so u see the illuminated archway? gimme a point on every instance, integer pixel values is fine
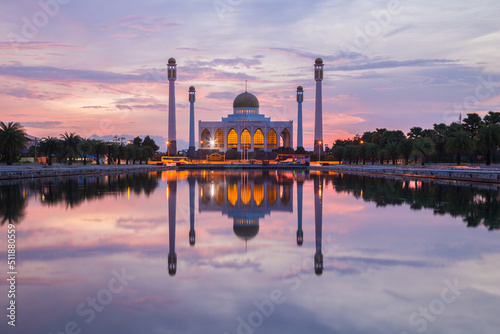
(258, 139)
(271, 139)
(232, 194)
(246, 194)
(232, 139)
(219, 138)
(205, 139)
(258, 193)
(245, 139)
(272, 194)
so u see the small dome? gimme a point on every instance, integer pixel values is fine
(319, 61)
(171, 61)
(246, 231)
(246, 100)
(191, 88)
(300, 88)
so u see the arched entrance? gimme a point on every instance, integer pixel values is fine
(232, 139)
(271, 139)
(205, 139)
(258, 139)
(285, 138)
(219, 138)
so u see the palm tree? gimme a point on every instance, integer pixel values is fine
(86, 148)
(489, 140)
(405, 147)
(12, 139)
(392, 151)
(459, 143)
(372, 151)
(71, 149)
(99, 148)
(424, 147)
(50, 146)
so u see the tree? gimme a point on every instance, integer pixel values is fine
(99, 148)
(137, 141)
(12, 139)
(415, 132)
(392, 152)
(151, 143)
(492, 118)
(405, 147)
(86, 148)
(489, 140)
(423, 147)
(70, 146)
(440, 138)
(471, 124)
(372, 151)
(50, 146)
(112, 150)
(459, 143)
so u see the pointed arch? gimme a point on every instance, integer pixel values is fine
(285, 137)
(245, 140)
(205, 139)
(232, 139)
(219, 138)
(271, 139)
(258, 139)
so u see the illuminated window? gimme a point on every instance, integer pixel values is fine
(232, 193)
(258, 139)
(232, 139)
(258, 193)
(219, 138)
(246, 194)
(271, 194)
(205, 139)
(245, 139)
(271, 139)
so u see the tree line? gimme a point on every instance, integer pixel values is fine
(70, 147)
(472, 140)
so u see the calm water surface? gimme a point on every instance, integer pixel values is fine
(251, 252)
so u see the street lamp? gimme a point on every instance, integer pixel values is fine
(168, 147)
(319, 151)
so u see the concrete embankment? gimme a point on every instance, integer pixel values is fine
(463, 174)
(35, 171)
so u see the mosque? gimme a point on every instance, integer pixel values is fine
(246, 129)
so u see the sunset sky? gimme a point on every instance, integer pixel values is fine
(98, 67)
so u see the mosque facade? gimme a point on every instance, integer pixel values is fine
(245, 129)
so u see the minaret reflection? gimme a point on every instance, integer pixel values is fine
(172, 199)
(192, 238)
(318, 219)
(300, 233)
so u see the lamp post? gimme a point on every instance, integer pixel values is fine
(168, 147)
(319, 153)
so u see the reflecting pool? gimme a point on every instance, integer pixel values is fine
(251, 252)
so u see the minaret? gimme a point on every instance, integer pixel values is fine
(300, 233)
(318, 220)
(318, 118)
(172, 135)
(191, 150)
(300, 99)
(192, 238)
(172, 199)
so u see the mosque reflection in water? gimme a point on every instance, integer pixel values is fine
(245, 197)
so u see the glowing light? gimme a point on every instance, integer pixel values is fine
(128, 193)
(167, 192)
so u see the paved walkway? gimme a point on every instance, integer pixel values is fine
(32, 171)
